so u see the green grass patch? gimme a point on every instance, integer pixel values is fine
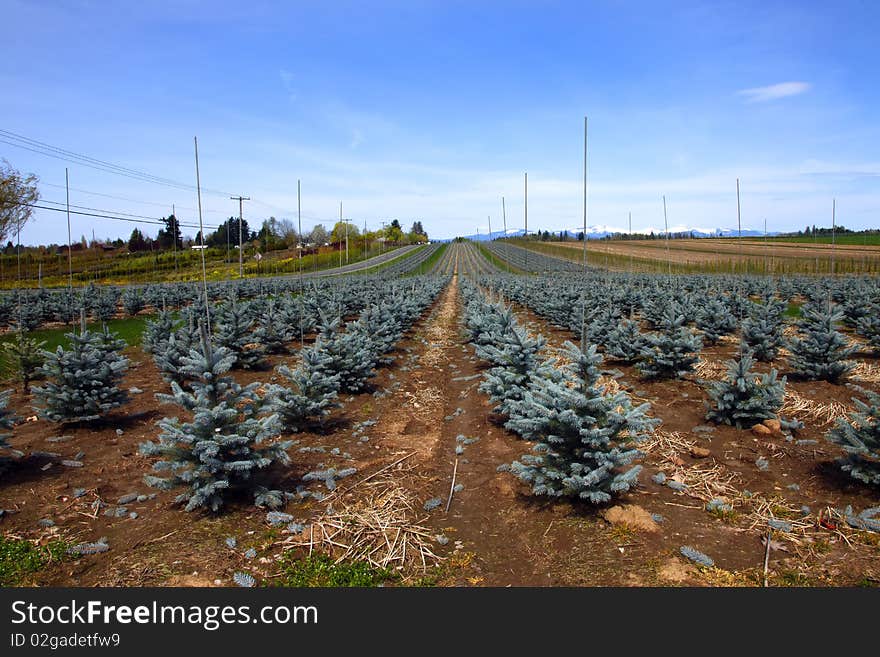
(434, 258)
(130, 329)
(319, 570)
(793, 310)
(20, 558)
(870, 239)
(393, 261)
(501, 264)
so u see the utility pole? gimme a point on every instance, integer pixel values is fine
(340, 241)
(382, 239)
(490, 227)
(240, 199)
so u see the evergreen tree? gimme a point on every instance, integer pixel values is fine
(715, 321)
(170, 357)
(233, 330)
(822, 351)
(586, 436)
(672, 352)
(310, 391)
(157, 331)
(381, 324)
(273, 332)
(762, 330)
(299, 319)
(104, 304)
(601, 325)
(7, 417)
(349, 355)
(82, 381)
(517, 358)
(869, 327)
(860, 438)
(745, 398)
(132, 301)
(25, 356)
(225, 444)
(624, 342)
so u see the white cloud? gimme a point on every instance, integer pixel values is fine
(774, 91)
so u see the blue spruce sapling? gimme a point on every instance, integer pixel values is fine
(225, 444)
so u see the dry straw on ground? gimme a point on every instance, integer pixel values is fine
(708, 369)
(825, 413)
(380, 527)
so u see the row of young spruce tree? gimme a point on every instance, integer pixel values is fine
(586, 438)
(614, 319)
(232, 432)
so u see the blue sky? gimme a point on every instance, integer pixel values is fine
(433, 111)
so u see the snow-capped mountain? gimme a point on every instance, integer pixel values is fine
(599, 231)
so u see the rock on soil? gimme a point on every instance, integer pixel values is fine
(762, 431)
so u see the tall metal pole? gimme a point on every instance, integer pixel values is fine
(666, 228)
(300, 229)
(526, 183)
(504, 219)
(585, 195)
(739, 231)
(69, 249)
(174, 229)
(490, 227)
(202, 240)
(630, 237)
(300, 245)
(340, 242)
(240, 200)
(833, 232)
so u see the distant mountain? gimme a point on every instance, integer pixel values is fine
(599, 231)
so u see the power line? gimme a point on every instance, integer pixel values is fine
(124, 198)
(158, 222)
(42, 148)
(113, 212)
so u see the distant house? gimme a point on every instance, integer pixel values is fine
(61, 250)
(199, 247)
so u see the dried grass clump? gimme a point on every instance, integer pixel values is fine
(795, 405)
(380, 527)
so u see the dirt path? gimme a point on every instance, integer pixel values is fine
(498, 536)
